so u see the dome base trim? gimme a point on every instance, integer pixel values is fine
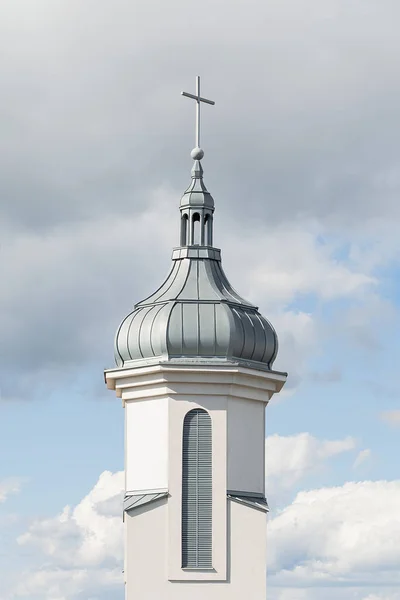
(196, 252)
(198, 361)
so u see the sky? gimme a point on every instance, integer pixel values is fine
(302, 159)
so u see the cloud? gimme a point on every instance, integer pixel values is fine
(82, 279)
(81, 548)
(391, 416)
(84, 544)
(333, 375)
(290, 459)
(88, 535)
(343, 535)
(77, 294)
(282, 264)
(332, 593)
(297, 334)
(76, 584)
(361, 457)
(306, 203)
(383, 596)
(303, 167)
(339, 535)
(10, 486)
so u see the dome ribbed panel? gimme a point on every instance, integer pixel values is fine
(223, 328)
(271, 349)
(260, 337)
(207, 328)
(190, 331)
(207, 287)
(249, 336)
(159, 329)
(190, 289)
(135, 333)
(237, 334)
(146, 331)
(121, 340)
(174, 331)
(210, 286)
(129, 330)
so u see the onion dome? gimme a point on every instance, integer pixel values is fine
(196, 315)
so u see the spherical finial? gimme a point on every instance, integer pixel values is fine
(197, 153)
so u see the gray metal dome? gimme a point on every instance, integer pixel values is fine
(196, 315)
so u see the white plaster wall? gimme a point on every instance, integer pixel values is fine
(146, 445)
(146, 557)
(156, 402)
(246, 445)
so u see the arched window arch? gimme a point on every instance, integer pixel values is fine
(197, 490)
(184, 230)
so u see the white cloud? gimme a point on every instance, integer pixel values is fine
(289, 459)
(391, 416)
(383, 596)
(332, 593)
(289, 266)
(297, 334)
(361, 457)
(88, 535)
(78, 552)
(82, 548)
(83, 544)
(290, 260)
(346, 534)
(10, 486)
(76, 584)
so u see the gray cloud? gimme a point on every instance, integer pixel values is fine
(95, 133)
(304, 122)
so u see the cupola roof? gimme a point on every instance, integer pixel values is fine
(196, 315)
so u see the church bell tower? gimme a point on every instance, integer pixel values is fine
(194, 372)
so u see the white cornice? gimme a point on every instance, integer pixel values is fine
(216, 380)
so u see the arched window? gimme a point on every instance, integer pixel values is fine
(184, 227)
(197, 491)
(208, 227)
(206, 233)
(196, 229)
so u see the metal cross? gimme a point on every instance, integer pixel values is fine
(198, 99)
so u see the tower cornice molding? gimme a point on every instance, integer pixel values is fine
(170, 380)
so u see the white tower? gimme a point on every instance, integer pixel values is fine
(194, 371)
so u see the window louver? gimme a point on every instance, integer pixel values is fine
(197, 491)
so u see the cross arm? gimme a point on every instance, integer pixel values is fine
(198, 98)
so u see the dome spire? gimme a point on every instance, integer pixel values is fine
(197, 204)
(197, 153)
